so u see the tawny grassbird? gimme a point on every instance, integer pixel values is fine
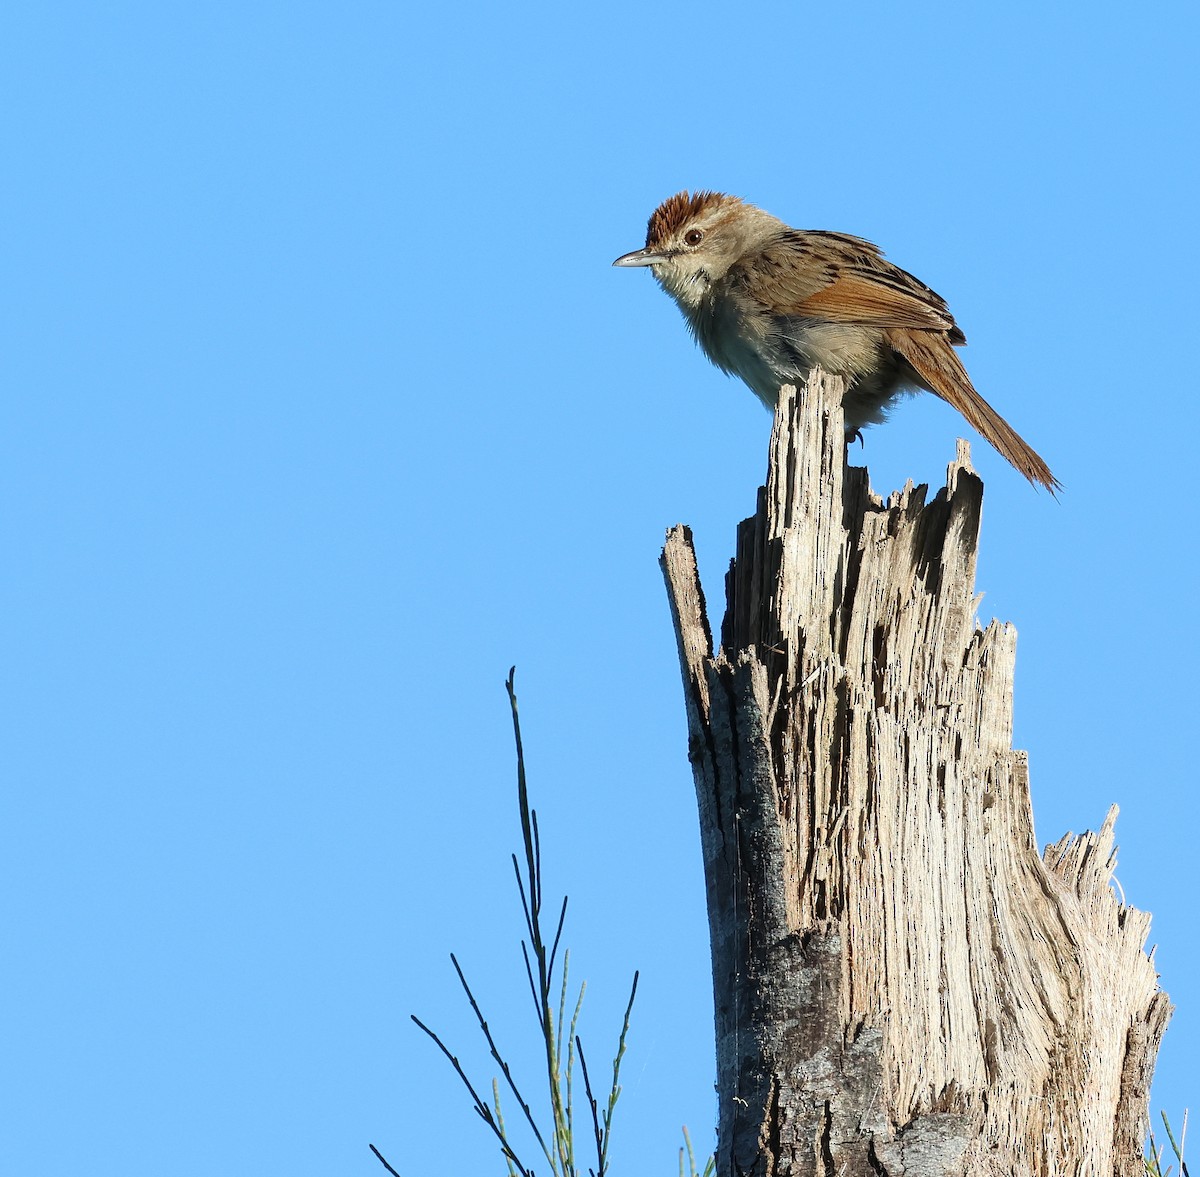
(768, 303)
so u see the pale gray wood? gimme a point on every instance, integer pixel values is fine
(903, 985)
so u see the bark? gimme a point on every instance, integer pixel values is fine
(903, 985)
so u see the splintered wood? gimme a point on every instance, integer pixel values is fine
(903, 985)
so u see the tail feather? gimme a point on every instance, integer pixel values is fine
(938, 368)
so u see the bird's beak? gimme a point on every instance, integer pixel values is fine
(640, 257)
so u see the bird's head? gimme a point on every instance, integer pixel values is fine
(693, 238)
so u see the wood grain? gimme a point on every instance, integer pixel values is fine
(903, 985)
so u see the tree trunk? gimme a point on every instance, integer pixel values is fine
(903, 985)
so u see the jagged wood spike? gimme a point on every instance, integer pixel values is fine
(903, 985)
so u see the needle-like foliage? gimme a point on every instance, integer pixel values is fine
(1154, 1162)
(558, 1137)
(687, 1153)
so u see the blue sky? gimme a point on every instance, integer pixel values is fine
(323, 406)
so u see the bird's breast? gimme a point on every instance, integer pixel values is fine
(768, 350)
(738, 341)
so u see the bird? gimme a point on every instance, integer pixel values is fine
(768, 303)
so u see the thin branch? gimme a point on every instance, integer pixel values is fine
(524, 900)
(692, 1171)
(383, 1162)
(500, 1120)
(562, 919)
(570, 1040)
(1178, 1147)
(615, 1094)
(485, 1113)
(537, 1005)
(587, 1087)
(496, 1055)
(562, 1001)
(532, 863)
(537, 857)
(551, 1022)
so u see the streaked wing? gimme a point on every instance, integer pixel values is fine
(842, 279)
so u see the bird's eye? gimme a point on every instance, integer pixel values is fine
(693, 237)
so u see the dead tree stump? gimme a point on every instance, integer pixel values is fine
(903, 985)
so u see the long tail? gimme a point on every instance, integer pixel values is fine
(940, 370)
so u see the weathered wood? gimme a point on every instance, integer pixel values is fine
(903, 985)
